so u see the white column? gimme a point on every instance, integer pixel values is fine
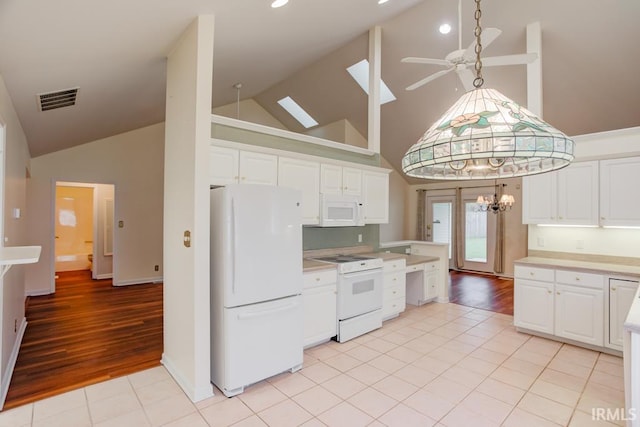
(373, 134)
(534, 69)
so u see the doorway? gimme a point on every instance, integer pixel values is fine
(84, 228)
(440, 222)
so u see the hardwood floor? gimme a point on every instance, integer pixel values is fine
(481, 291)
(85, 333)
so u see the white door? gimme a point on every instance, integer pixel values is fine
(258, 168)
(579, 314)
(265, 241)
(539, 198)
(304, 176)
(578, 194)
(375, 197)
(440, 222)
(479, 233)
(223, 165)
(533, 305)
(618, 179)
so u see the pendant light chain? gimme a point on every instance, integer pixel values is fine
(478, 81)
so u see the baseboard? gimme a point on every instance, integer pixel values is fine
(194, 394)
(38, 293)
(156, 279)
(11, 364)
(104, 276)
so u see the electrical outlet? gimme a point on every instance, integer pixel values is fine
(359, 238)
(156, 267)
(407, 250)
(541, 242)
(579, 244)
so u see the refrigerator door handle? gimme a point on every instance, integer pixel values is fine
(287, 307)
(233, 247)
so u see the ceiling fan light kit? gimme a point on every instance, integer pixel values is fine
(485, 135)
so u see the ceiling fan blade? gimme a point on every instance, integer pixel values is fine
(429, 78)
(522, 58)
(486, 38)
(466, 77)
(414, 60)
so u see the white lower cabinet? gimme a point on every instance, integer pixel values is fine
(422, 283)
(393, 294)
(565, 303)
(319, 304)
(579, 314)
(621, 294)
(533, 305)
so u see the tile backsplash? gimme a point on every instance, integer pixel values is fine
(339, 237)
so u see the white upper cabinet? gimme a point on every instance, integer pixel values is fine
(539, 198)
(567, 196)
(336, 179)
(375, 197)
(578, 194)
(619, 180)
(229, 165)
(305, 176)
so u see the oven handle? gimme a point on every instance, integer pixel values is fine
(356, 274)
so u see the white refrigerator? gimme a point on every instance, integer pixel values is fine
(256, 284)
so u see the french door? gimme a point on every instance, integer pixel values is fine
(479, 232)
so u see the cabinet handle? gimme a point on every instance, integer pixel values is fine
(531, 273)
(317, 279)
(394, 292)
(394, 279)
(243, 178)
(613, 289)
(577, 279)
(602, 217)
(558, 293)
(548, 291)
(559, 217)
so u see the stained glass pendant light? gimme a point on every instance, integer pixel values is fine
(485, 135)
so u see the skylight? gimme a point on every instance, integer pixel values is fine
(297, 112)
(360, 73)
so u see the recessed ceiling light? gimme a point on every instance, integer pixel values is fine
(360, 73)
(297, 112)
(382, 1)
(445, 29)
(279, 3)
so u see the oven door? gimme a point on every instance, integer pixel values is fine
(359, 293)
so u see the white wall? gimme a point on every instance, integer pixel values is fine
(15, 234)
(186, 208)
(133, 162)
(394, 230)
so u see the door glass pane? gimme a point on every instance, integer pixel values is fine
(442, 223)
(475, 233)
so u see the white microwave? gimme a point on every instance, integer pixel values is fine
(340, 211)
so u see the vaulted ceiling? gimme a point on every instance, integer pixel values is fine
(115, 53)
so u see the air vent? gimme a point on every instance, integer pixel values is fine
(57, 99)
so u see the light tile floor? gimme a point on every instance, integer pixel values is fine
(435, 365)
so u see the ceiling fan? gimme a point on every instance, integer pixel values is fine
(460, 60)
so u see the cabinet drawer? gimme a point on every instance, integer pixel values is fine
(394, 265)
(430, 266)
(395, 279)
(319, 278)
(393, 307)
(534, 273)
(415, 267)
(578, 278)
(393, 292)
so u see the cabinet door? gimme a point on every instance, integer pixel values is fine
(579, 314)
(578, 194)
(223, 165)
(375, 197)
(621, 295)
(304, 176)
(351, 181)
(431, 284)
(258, 168)
(330, 179)
(533, 305)
(619, 179)
(320, 318)
(539, 195)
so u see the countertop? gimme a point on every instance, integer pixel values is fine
(313, 265)
(597, 267)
